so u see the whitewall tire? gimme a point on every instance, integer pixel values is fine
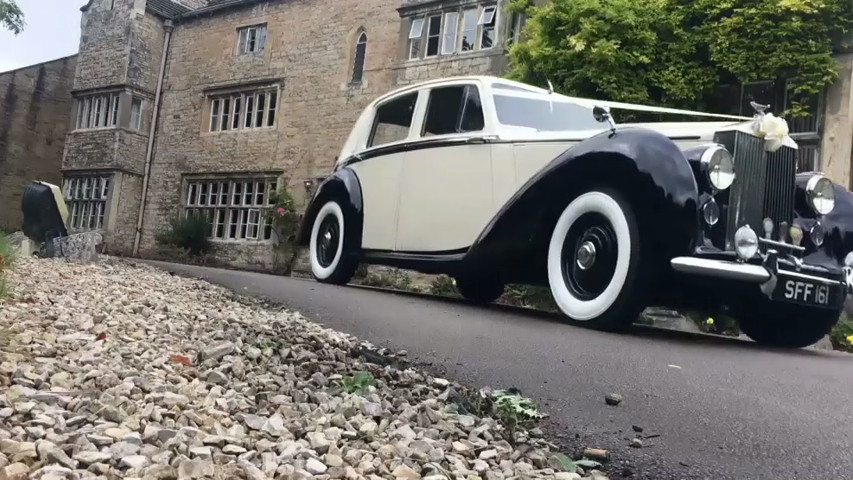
(594, 260)
(330, 262)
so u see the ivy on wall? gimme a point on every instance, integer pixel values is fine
(675, 52)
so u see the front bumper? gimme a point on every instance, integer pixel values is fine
(768, 271)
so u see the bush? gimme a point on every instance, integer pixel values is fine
(390, 278)
(189, 234)
(7, 258)
(285, 222)
(443, 286)
(841, 335)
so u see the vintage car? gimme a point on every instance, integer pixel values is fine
(496, 182)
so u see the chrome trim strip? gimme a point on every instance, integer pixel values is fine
(811, 278)
(720, 269)
(779, 244)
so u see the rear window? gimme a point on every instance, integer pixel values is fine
(543, 115)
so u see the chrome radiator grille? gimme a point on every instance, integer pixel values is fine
(764, 185)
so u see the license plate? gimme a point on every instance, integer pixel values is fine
(807, 292)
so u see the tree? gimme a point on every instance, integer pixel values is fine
(11, 17)
(674, 52)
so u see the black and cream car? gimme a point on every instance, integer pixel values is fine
(496, 182)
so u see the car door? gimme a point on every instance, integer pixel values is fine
(446, 197)
(379, 169)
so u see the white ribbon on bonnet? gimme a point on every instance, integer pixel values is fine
(774, 131)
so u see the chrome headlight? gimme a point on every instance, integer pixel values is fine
(720, 167)
(820, 194)
(746, 242)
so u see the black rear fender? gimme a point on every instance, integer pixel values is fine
(342, 186)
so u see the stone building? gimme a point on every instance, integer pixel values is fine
(209, 105)
(35, 103)
(254, 94)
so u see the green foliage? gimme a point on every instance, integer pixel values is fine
(443, 286)
(508, 406)
(674, 52)
(358, 383)
(841, 335)
(531, 296)
(11, 16)
(8, 255)
(189, 233)
(285, 223)
(389, 278)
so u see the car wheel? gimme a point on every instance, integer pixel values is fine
(479, 290)
(788, 326)
(331, 259)
(594, 261)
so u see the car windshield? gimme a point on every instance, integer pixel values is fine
(543, 115)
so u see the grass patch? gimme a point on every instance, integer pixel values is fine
(8, 255)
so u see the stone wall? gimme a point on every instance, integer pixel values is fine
(308, 56)
(837, 144)
(35, 110)
(104, 40)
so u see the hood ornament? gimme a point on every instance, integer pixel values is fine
(759, 108)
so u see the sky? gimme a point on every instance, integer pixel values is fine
(52, 31)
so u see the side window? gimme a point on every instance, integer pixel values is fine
(455, 109)
(393, 120)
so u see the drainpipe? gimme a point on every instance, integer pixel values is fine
(149, 152)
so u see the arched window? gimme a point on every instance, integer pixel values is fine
(358, 63)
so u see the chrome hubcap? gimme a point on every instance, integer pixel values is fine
(586, 255)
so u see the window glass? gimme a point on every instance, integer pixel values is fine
(393, 120)
(544, 115)
(487, 21)
(453, 109)
(451, 27)
(415, 36)
(469, 29)
(358, 63)
(433, 36)
(136, 114)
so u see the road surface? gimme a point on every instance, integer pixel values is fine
(723, 409)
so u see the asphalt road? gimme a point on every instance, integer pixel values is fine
(723, 409)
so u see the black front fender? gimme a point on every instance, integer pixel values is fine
(644, 165)
(838, 225)
(344, 187)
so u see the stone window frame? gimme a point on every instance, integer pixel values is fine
(260, 42)
(104, 115)
(238, 105)
(218, 198)
(418, 32)
(87, 196)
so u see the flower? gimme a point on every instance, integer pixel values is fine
(850, 339)
(710, 321)
(280, 210)
(774, 131)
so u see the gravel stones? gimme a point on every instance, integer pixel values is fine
(120, 370)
